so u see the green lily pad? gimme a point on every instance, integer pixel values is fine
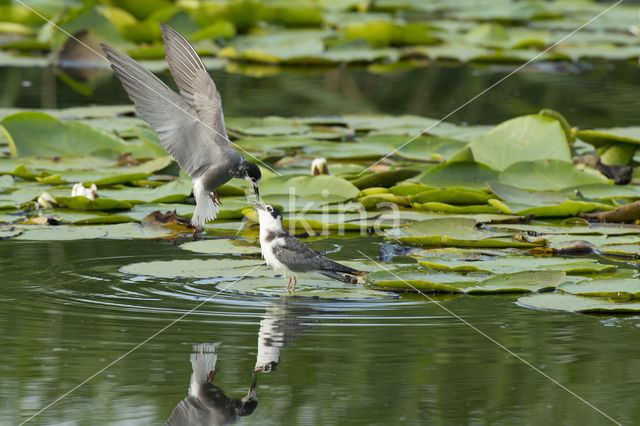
(512, 194)
(71, 232)
(602, 137)
(614, 288)
(410, 279)
(171, 192)
(306, 288)
(572, 303)
(527, 138)
(39, 134)
(268, 126)
(383, 179)
(309, 186)
(220, 246)
(197, 268)
(81, 202)
(429, 148)
(520, 282)
(452, 195)
(568, 208)
(459, 174)
(546, 175)
(513, 264)
(448, 208)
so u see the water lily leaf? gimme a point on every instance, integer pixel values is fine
(603, 137)
(520, 282)
(78, 217)
(459, 174)
(452, 195)
(512, 264)
(512, 194)
(268, 126)
(546, 175)
(221, 246)
(568, 208)
(429, 148)
(306, 288)
(39, 134)
(408, 189)
(448, 208)
(310, 186)
(80, 202)
(572, 303)
(374, 201)
(197, 268)
(615, 288)
(385, 33)
(172, 192)
(527, 138)
(410, 279)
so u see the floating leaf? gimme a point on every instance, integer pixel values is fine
(615, 288)
(527, 138)
(460, 174)
(197, 268)
(546, 175)
(452, 195)
(571, 303)
(80, 202)
(221, 246)
(38, 134)
(520, 282)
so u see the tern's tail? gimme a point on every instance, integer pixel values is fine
(206, 209)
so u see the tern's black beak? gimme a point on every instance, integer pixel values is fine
(256, 191)
(256, 205)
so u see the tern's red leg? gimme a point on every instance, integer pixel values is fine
(295, 281)
(289, 283)
(215, 198)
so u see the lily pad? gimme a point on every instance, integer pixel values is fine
(527, 138)
(459, 174)
(306, 288)
(221, 246)
(614, 288)
(520, 282)
(197, 268)
(546, 175)
(572, 303)
(39, 134)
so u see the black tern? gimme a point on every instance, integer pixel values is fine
(291, 257)
(190, 125)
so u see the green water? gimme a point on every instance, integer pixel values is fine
(67, 312)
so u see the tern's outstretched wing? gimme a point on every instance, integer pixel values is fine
(178, 126)
(194, 82)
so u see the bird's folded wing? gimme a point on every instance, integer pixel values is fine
(194, 82)
(298, 257)
(179, 128)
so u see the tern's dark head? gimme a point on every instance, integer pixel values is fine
(252, 175)
(270, 217)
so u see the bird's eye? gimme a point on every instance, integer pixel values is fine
(270, 209)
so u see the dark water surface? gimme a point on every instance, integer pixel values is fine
(66, 311)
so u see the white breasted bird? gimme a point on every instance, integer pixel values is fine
(291, 257)
(190, 125)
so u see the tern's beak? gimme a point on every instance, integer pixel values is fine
(257, 205)
(256, 191)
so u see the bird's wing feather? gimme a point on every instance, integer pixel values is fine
(298, 257)
(179, 129)
(194, 82)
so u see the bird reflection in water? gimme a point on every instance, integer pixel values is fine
(207, 404)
